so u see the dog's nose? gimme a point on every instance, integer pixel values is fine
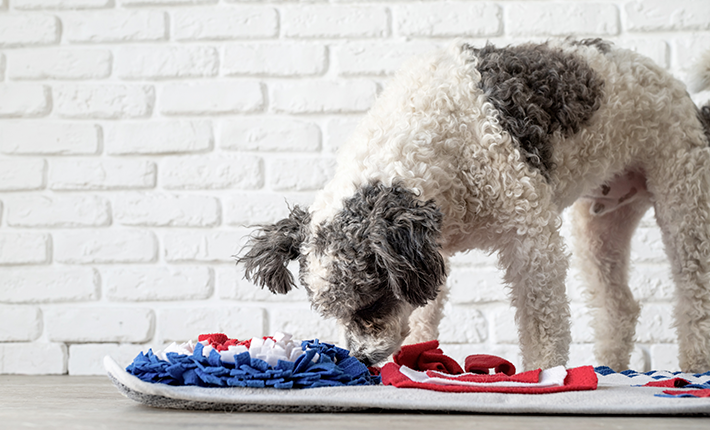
(366, 361)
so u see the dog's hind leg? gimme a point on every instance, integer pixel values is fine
(602, 244)
(680, 184)
(535, 268)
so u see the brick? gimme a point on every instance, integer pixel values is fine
(99, 324)
(246, 209)
(659, 15)
(476, 285)
(583, 355)
(652, 282)
(274, 59)
(163, 210)
(338, 131)
(378, 59)
(21, 174)
(164, 2)
(647, 246)
(449, 19)
(59, 64)
(36, 358)
(687, 51)
(655, 49)
(503, 328)
(61, 4)
(57, 211)
(110, 174)
(581, 324)
(115, 26)
(303, 324)
(655, 323)
(20, 323)
(335, 21)
(463, 324)
(213, 172)
(269, 134)
(323, 96)
(129, 284)
(231, 285)
(640, 359)
(541, 18)
(185, 323)
(105, 246)
(24, 248)
(205, 247)
(49, 285)
(665, 357)
(148, 62)
(24, 100)
(158, 137)
(48, 138)
(211, 98)
(108, 101)
(87, 359)
(224, 23)
(23, 30)
(300, 174)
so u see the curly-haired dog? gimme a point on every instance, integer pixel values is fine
(483, 148)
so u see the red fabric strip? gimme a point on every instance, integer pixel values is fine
(482, 363)
(703, 392)
(529, 377)
(578, 379)
(427, 356)
(669, 383)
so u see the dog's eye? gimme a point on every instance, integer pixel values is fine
(370, 311)
(378, 308)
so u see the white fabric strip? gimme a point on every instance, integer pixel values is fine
(554, 377)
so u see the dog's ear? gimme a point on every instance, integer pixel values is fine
(405, 241)
(270, 250)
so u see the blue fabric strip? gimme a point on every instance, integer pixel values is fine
(333, 367)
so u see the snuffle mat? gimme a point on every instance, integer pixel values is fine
(282, 374)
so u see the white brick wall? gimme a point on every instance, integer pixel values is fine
(139, 137)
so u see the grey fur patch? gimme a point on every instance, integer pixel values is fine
(538, 90)
(271, 249)
(704, 117)
(601, 45)
(385, 247)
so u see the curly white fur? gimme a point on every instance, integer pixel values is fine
(435, 132)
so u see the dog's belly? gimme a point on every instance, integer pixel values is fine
(621, 190)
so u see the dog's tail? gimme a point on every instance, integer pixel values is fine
(699, 77)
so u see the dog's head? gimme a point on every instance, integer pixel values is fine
(369, 266)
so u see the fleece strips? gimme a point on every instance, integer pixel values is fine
(276, 362)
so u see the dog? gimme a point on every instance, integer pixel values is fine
(482, 148)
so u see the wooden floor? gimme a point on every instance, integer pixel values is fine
(91, 402)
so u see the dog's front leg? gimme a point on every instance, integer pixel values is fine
(424, 321)
(536, 267)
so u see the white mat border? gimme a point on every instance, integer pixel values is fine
(606, 400)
